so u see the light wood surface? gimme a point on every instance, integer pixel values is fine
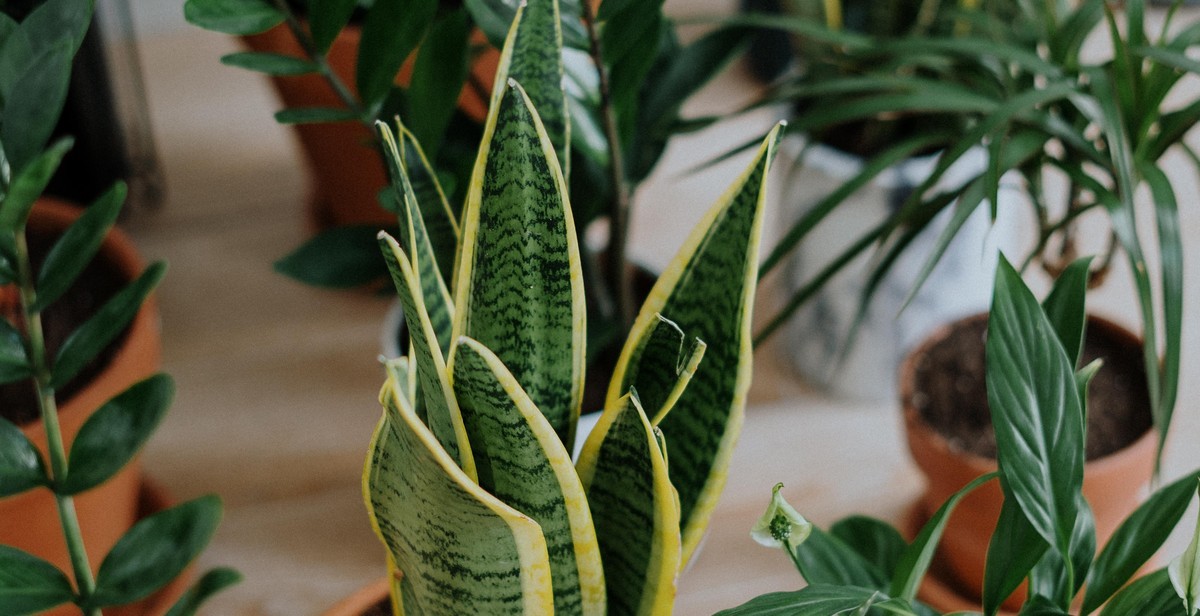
(277, 382)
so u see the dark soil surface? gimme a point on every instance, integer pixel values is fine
(96, 285)
(950, 392)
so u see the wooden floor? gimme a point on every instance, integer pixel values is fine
(277, 382)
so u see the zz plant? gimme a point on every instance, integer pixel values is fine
(36, 58)
(469, 479)
(1045, 533)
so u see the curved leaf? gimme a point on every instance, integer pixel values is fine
(822, 600)
(270, 63)
(875, 540)
(73, 251)
(29, 584)
(1015, 548)
(824, 558)
(1184, 573)
(1064, 307)
(315, 115)
(28, 184)
(237, 17)
(440, 220)
(14, 361)
(339, 258)
(326, 19)
(33, 105)
(439, 72)
(21, 466)
(666, 368)
(1151, 595)
(391, 29)
(209, 584)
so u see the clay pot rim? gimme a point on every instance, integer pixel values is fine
(361, 599)
(933, 439)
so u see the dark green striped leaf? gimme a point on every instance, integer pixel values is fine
(29, 584)
(73, 251)
(822, 600)
(238, 17)
(270, 63)
(14, 361)
(440, 220)
(634, 508)
(521, 461)
(28, 185)
(21, 466)
(462, 549)
(666, 367)
(708, 291)
(211, 583)
(520, 286)
(442, 414)
(390, 31)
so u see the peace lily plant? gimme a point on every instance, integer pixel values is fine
(469, 479)
(1045, 534)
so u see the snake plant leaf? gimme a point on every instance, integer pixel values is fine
(417, 242)
(441, 222)
(1036, 410)
(521, 461)
(14, 360)
(823, 600)
(405, 376)
(1184, 572)
(533, 57)
(211, 583)
(666, 368)
(461, 549)
(78, 244)
(21, 466)
(29, 585)
(634, 508)
(442, 414)
(1064, 306)
(708, 291)
(1151, 595)
(520, 281)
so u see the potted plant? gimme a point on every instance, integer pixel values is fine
(469, 479)
(78, 352)
(1045, 537)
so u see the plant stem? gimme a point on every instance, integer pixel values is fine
(49, 412)
(618, 275)
(310, 49)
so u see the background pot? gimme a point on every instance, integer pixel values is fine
(29, 521)
(1114, 485)
(815, 337)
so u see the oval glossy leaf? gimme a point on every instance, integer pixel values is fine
(708, 291)
(337, 258)
(875, 540)
(521, 461)
(825, 559)
(90, 338)
(520, 282)
(29, 584)
(34, 104)
(14, 362)
(1184, 572)
(390, 31)
(270, 63)
(21, 466)
(822, 600)
(1064, 306)
(315, 115)
(113, 435)
(1151, 595)
(29, 184)
(1013, 551)
(155, 551)
(211, 583)
(462, 550)
(73, 251)
(1036, 411)
(635, 510)
(238, 17)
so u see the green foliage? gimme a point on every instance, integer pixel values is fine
(29, 584)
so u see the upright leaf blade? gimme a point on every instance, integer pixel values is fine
(390, 31)
(75, 249)
(1184, 572)
(440, 220)
(1064, 306)
(326, 19)
(669, 360)
(1014, 549)
(439, 72)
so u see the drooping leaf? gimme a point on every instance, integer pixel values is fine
(1151, 595)
(28, 184)
(708, 291)
(1014, 549)
(21, 466)
(875, 540)
(460, 549)
(270, 63)
(520, 283)
(634, 508)
(209, 584)
(315, 115)
(14, 361)
(1184, 573)
(103, 327)
(34, 103)
(390, 31)
(668, 362)
(1064, 306)
(822, 600)
(29, 584)
(114, 434)
(339, 258)
(155, 551)
(521, 461)
(442, 413)
(439, 72)
(237, 17)
(73, 251)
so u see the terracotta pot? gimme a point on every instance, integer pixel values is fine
(346, 169)
(1114, 485)
(362, 600)
(29, 521)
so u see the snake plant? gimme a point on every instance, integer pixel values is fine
(469, 479)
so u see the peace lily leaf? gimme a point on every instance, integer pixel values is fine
(460, 549)
(1014, 549)
(211, 583)
(29, 584)
(1064, 307)
(822, 600)
(875, 540)
(1054, 578)
(1152, 595)
(29, 184)
(78, 244)
(440, 220)
(522, 462)
(270, 63)
(826, 559)
(21, 466)
(237, 17)
(418, 243)
(634, 508)
(155, 551)
(442, 414)
(103, 327)
(338, 258)
(113, 434)
(14, 362)
(708, 291)
(1184, 572)
(1137, 539)
(520, 282)
(390, 31)
(666, 368)
(1036, 410)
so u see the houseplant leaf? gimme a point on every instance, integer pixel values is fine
(1014, 549)
(822, 600)
(1184, 573)
(1150, 595)
(211, 583)
(114, 434)
(1064, 307)
(21, 466)
(34, 103)
(101, 328)
(461, 549)
(441, 68)
(29, 584)
(669, 360)
(29, 183)
(341, 257)
(155, 551)
(73, 251)
(326, 18)
(635, 510)
(824, 558)
(237, 17)
(14, 361)
(521, 461)
(441, 221)
(520, 283)
(391, 29)
(315, 115)
(270, 63)
(874, 540)
(708, 291)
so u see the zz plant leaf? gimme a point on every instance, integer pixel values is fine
(21, 466)
(29, 584)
